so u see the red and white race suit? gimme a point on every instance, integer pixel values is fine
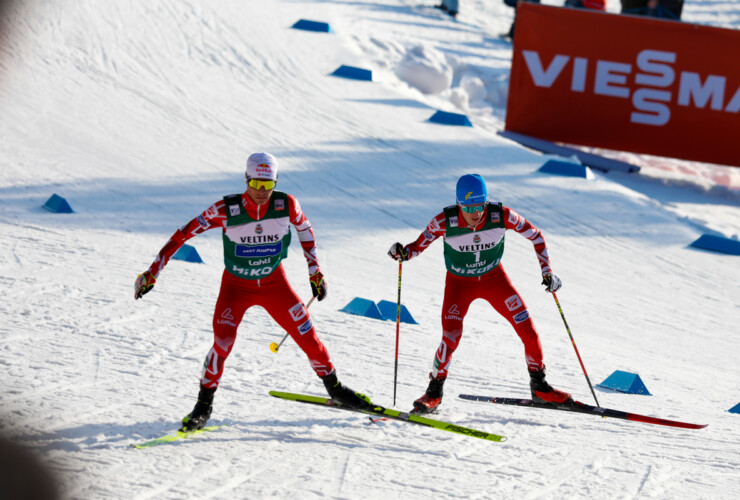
(495, 287)
(273, 292)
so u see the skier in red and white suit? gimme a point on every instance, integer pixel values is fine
(473, 231)
(256, 237)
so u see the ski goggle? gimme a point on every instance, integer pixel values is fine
(471, 209)
(259, 183)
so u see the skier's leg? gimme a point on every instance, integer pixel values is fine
(457, 299)
(502, 295)
(287, 309)
(504, 298)
(232, 302)
(455, 306)
(284, 306)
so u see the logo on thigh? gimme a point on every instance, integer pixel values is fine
(227, 318)
(513, 303)
(305, 327)
(297, 312)
(522, 316)
(453, 313)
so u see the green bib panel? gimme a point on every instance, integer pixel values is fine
(253, 249)
(474, 253)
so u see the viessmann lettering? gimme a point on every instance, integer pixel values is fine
(654, 72)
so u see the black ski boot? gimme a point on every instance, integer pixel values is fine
(344, 395)
(542, 392)
(197, 418)
(432, 398)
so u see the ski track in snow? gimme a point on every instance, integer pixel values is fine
(142, 115)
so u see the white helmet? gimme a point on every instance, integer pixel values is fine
(262, 166)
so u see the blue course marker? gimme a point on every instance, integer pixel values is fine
(188, 253)
(389, 310)
(353, 73)
(446, 118)
(58, 205)
(626, 382)
(717, 244)
(567, 169)
(362, 307)
(318, 26)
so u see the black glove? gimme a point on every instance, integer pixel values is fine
(552, 283)
(318, 285)
(398, 252)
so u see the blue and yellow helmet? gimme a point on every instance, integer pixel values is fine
(471, 190)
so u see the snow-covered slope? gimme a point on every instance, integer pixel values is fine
(142, 114)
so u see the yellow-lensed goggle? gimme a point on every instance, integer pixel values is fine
(259, 183)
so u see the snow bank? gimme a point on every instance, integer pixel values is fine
(426, 69)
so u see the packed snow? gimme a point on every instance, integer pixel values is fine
(142, 114)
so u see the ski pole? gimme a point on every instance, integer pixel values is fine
(574, 347)
(276, 347)
(398, 329)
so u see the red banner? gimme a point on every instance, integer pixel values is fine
(626, 83)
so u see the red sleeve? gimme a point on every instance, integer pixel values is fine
(528, 230)
(213, 217)
(434, 230)
(305, 233)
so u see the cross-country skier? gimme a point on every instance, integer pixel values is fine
(256, 237)
(473, 232)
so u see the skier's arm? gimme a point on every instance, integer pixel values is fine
(308, 243)
(434, 230)
(305, 234)
(214, 216)
(522, 226)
